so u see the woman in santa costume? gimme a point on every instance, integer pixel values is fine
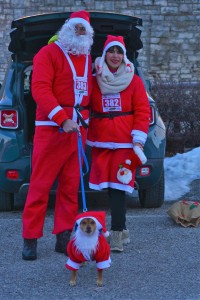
(117, 132)
(61, 87)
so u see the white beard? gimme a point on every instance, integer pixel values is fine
(86, 244)
(75, 44)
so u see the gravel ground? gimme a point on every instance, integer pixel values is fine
(161, 262)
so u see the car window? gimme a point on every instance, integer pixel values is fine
(27, 80)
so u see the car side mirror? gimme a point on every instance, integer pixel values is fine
(148, 85)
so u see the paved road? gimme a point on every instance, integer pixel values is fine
(162, 262)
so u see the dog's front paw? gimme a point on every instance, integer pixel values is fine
(72, 283)
(99, 283)
(100, 278)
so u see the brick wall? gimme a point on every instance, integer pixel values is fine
(170, 34)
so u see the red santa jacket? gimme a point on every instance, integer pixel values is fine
(101, 255)
(118, 132)
(53, 85)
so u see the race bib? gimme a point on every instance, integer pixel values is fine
(111, 102)
(81, 86)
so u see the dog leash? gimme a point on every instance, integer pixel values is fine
(81, 154)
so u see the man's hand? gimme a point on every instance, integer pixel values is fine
(70, 126)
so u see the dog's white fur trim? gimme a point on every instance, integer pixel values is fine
(104, 264)
(140, 154)
(73, 264)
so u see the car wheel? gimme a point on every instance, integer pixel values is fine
(154, 196)
(6, 201)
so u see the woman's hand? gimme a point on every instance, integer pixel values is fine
(139, 145)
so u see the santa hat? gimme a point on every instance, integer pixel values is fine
(110, 42)
(82, 17)
(98, 216)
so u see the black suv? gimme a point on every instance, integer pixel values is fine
(17, 107)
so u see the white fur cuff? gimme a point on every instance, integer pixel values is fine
(104, 264)
(73, 264)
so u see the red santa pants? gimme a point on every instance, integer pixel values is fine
(55, 155)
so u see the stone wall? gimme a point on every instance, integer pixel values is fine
(170, 33)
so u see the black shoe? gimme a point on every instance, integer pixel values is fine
(62, 240)
(30, 249)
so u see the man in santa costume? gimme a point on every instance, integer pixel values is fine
(117, 132)
(61, 87)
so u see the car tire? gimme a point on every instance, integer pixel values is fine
(153, 197)
(6, 201)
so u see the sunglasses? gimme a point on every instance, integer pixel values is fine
(79, 28)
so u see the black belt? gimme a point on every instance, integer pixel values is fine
(79, 108)
(111, 115)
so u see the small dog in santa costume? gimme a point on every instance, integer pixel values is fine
(88, 244)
